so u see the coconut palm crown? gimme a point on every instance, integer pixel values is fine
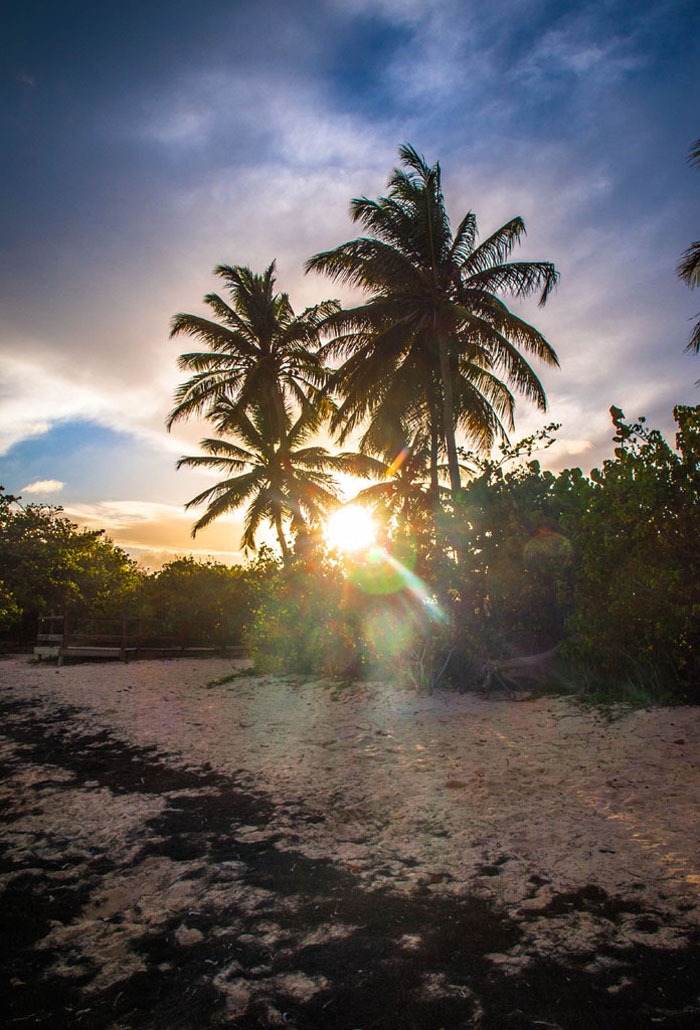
(258, 349)
(434, 340)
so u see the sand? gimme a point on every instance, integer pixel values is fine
(577, 833)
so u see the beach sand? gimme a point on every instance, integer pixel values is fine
(273, 851)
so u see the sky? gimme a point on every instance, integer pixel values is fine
(144, 143)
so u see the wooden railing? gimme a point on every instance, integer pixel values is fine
(65, 636)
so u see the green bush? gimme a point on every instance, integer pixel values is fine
(636, 529)
(305, 623)
(48, 563)
(202, 603)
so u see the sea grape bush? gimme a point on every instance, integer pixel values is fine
(606, 565)
(202, 603)
(635, 527)
(47, 562)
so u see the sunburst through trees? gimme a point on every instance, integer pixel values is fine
(434, 351)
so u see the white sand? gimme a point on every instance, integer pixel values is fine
(455, 782)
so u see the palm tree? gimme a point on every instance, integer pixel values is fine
(403, 492)
(258, 349)
(281, 481)
(434, 340)
(689, 268)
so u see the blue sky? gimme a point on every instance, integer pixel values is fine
(144, 143)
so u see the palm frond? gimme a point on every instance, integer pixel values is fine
(694, 341)
(364, 262)
(219, 337)
(694, 153)
(464, 239)
(496, 249)
(222, 498)
(689, 267)
(209, 361)
(198, 395)
(489, 385)
(478, 418)
(376, 493)
(261, 510)
(518, 278)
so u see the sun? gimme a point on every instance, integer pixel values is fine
(351, 528)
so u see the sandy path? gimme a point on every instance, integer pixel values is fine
(583, 833)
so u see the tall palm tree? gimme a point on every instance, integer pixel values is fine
(281, 481)
(257, 349)
(434, 339)
(689, 268)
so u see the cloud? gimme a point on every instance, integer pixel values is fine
(152, 559)
(141, 527)
(37, 394)
(44, 486)
(399, 11)
(576, 49)
(530, 112)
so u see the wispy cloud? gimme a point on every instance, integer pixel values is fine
(553, 113)
(44, 486)
(139, 526)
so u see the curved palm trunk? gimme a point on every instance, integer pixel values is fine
(284, 547)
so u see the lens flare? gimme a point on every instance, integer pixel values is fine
(351, 529)
(381, 572)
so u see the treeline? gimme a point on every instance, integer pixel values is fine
(48, 564)
(606, 567)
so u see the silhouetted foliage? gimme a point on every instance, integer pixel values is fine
(201, 603)
(607, 566)
(48, 563)
(259, 349)
(635, 528)
(689, 267)
(434, 346)
(512, 583)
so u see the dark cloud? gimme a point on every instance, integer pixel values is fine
(144, 142)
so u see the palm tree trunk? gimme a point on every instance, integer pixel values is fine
(449, 415)
(281, 416)
(434, 455)
(284, 547)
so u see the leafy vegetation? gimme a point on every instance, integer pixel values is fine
(204, 603)
(635, 527)
(509, 560)
(47, 563)
(606, 566)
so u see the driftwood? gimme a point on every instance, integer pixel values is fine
(509, 672)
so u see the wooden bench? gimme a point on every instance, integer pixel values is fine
(59, 637)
